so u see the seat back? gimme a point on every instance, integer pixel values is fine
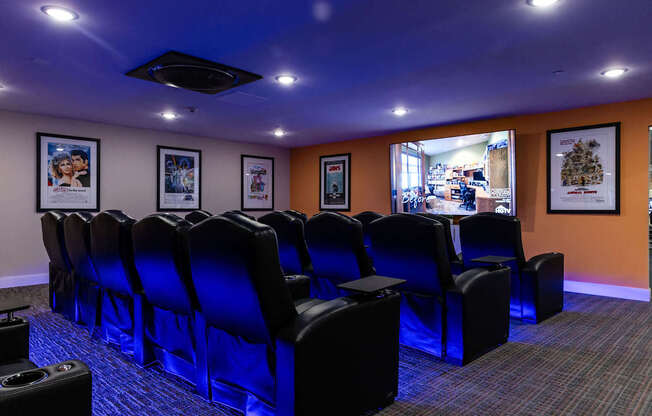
(77, 231)
(297, 214)
(238, 278)
(336, 247)
(413, 248)
(197, 216)
(292, 248)
(161, 258)
(54, 239)
(491, 234)
(112, 252)
(448, 236)
(238, 212)
(365, 218)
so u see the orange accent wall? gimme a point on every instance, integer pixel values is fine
(598, 248)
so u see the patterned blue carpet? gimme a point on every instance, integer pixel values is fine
(594, 358)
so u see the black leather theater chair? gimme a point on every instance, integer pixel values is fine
(457, 265)
(337, 251)
(263, 354)
(293, 253)
(537, 284)
(63, 388)
(61, 281)
(122, 299)
(161, 260)
(77, 231)
(297, 214)
(197, 216)
(457, 318)
(238, 212)
(365, 219)
(292, 247)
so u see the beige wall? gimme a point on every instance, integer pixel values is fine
(128, 177)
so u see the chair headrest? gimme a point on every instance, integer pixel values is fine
(198, 216)
(411, 247)
(238, 278)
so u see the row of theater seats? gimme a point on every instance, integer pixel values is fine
(211, 304)
(195, 288)
(536, 291)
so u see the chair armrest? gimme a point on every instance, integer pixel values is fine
(345, 349)
(477, 313)
(14, 340)
(542, 286)
(67, 392)
(541, 261)
(299, 286)
(477, 278)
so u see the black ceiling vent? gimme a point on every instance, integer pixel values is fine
(179, 70)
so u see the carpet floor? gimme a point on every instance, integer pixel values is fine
(595, 358)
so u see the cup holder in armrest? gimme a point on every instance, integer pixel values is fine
(26, 378)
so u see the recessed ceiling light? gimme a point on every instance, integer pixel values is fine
(614, 72)
(169, 115)
(279, 133)
(541, 3)
(286, 79)
(559, 154)
(59, 13)
(60, 149)
(400, 111)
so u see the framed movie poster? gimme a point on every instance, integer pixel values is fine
(584, 170)
(335, 182)
(67, 173)
(178, 179)
(256, 183)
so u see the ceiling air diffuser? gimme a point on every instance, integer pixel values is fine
(179, 70)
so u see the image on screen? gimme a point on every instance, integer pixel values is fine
(460, 175)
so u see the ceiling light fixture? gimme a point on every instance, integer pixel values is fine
(59, 13)
(286, 79)
(541, 3)
(169, 115)
(614, 72)
(279, 133)
(400, 111)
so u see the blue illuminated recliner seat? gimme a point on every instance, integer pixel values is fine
(292, 250)
(336, 247)
(197, 216)
(457, 265)
(457, 318)
(264, 354)
(61, 280)
(161, 259)
(77, 231)
(537, 284)
(365, 219)
(122, 301)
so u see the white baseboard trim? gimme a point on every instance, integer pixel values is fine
(23, 280)
(612, 291)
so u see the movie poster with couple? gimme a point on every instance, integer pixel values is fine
(179, 179)
(257, 183)
(584, 169)
(68, 173)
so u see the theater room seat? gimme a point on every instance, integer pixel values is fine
(264, 355)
